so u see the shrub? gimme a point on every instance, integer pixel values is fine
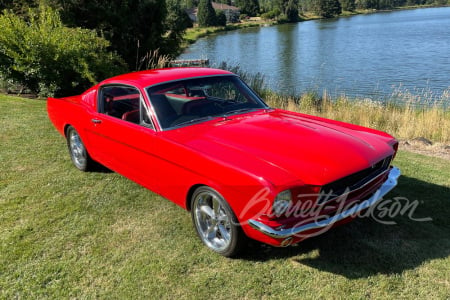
(243, 17)
(50, 59)
(271, 14)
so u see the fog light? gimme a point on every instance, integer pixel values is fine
(282, 202)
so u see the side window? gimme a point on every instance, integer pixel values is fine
(122, 102)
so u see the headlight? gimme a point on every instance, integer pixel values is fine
(282, 202)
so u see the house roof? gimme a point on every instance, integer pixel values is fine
(222, 6)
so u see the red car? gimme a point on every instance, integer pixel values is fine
(203, 139)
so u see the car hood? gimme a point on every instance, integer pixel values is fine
(284, 147)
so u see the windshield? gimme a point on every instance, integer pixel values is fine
(189, 101)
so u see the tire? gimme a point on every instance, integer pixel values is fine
(78, 153)
(215, 222)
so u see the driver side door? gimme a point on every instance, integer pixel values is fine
(123, 134)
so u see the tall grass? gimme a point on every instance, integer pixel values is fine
(153, 60)
(401, 119)
(405, 114)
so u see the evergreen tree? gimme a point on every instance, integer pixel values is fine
(292, 11)
(221, 18)
(249, 7)
(189, 3)
(329, 8)
(308, 6)
(206, 15)
(282, 4)
(177, 19)
(176, 22)
(348, 5)
(289, 8)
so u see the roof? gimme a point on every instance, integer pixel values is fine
(222, 6)
(147, 78)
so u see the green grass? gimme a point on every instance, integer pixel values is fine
(69, 234)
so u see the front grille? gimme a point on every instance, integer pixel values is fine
(354, 181)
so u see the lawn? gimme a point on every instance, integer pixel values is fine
(69, 234)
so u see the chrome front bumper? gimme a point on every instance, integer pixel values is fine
(387, 186)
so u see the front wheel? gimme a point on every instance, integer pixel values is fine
(215, 222)
(78, 153)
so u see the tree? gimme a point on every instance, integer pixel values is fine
(18, 6)
(249, 7)
(189, 3)
(308, 6)
(329, 8)
(348, 5)
(48, 58)
(368, 4)
(126, 24)
(289, 8)
(292, 11)
(206, 15)
(177, 21)
(221, 18)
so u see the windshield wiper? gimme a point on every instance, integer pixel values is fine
(241, 110)
(195, 120)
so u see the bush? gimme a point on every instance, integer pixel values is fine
(243, 17)
(271, 14)
(48, 58)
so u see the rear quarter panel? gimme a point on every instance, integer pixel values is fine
(75, 111)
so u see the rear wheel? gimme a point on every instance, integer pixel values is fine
(78, 153)
(215, 222)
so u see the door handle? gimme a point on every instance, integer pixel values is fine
(96, 121)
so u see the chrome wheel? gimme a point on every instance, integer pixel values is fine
(215, 222)
(77, 150)
(212, 222)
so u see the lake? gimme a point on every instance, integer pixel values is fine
(368, 56)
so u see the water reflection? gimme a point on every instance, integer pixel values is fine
(364, 55)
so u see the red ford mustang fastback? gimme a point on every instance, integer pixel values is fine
(203, 139)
